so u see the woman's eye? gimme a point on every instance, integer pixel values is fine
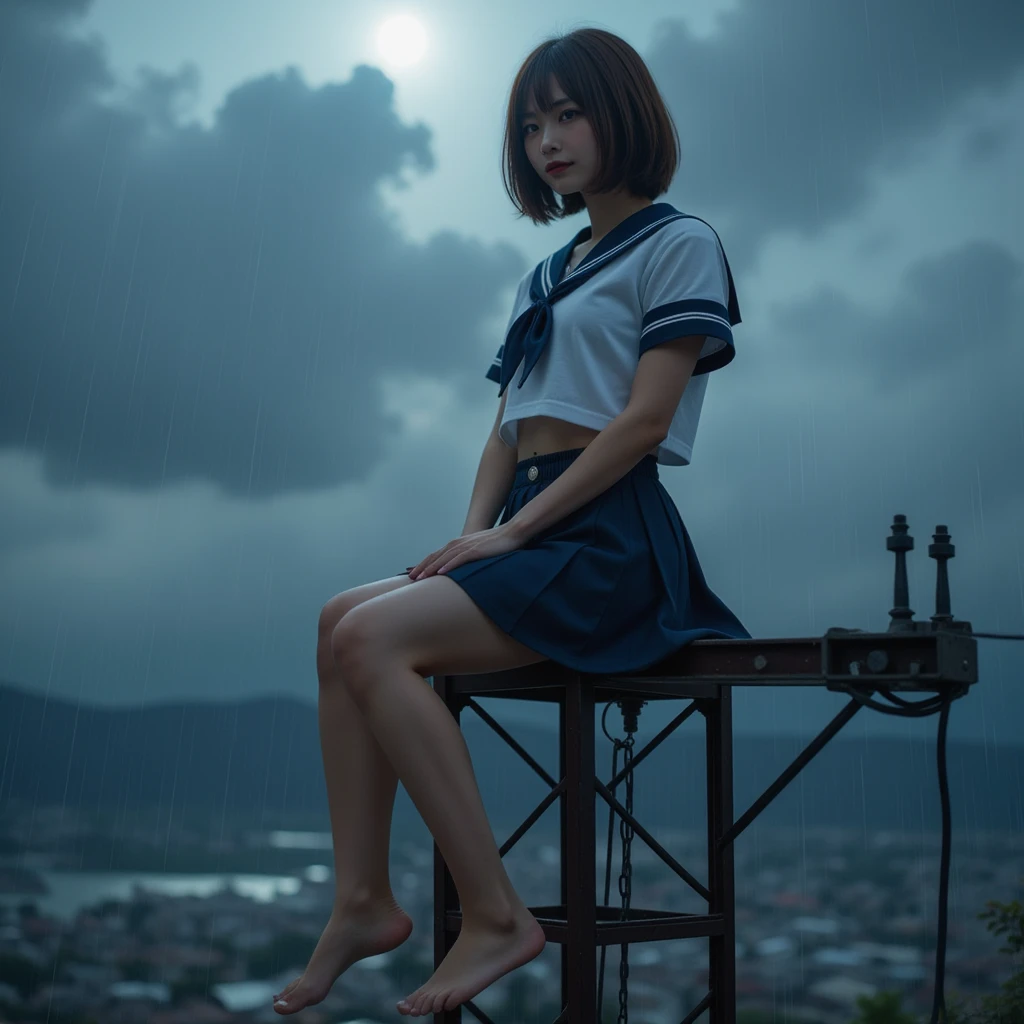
(568, 110)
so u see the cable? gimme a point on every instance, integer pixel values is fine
(939, 994)
(939, 997)
(941, 703)
(902, 708)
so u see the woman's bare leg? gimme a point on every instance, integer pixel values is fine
(384, 658)
(361, 785)
(386, 649)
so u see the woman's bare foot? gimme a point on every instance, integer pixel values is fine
(348, 937)
(481, 954)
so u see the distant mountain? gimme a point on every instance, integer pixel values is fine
(262, 758)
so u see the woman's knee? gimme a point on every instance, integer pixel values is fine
(330, 616)
(355, 647)
(350, 641)
(332, 613)
(341, 604)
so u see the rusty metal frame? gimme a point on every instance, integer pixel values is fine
(923, 660)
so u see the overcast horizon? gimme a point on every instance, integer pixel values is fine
(252, 272)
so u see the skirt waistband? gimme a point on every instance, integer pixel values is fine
(545, 468)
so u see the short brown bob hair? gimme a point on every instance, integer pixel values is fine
(610, 82)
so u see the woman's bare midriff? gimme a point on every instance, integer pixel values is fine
(541, 435)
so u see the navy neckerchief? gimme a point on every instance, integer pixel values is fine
(528, 336)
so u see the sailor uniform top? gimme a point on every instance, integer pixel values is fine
(574, 339)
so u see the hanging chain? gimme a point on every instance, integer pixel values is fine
(626, 876)
(630, 708)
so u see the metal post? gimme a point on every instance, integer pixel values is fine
(446, 896)
(721, 881)
(579, 868)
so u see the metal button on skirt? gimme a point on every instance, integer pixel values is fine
(613, 587)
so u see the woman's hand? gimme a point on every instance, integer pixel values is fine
(467, 548)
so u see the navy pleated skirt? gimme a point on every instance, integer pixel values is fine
(613, 587)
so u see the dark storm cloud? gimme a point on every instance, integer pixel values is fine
(929, 375)
(962, 305)
(183, 303)
(784, 112)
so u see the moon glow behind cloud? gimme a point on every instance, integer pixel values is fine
(401, 41)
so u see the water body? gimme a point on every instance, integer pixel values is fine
(69, 891)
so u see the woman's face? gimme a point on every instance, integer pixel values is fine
(563, 134)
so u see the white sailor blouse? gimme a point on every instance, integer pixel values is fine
(658, 275)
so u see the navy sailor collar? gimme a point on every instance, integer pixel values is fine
(529, 335)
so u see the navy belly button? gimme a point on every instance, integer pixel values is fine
(533, 472)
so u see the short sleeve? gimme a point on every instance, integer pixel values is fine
(686, 289)
(522, 291)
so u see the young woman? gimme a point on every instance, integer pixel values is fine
(609, 344)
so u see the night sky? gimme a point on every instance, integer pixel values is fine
(253, 270)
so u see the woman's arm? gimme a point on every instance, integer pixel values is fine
(608, 458)
(494, 478)
(661, 377)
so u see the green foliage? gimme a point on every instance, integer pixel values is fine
(1006, 919)
(1007, 1005)
(882, 1008)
